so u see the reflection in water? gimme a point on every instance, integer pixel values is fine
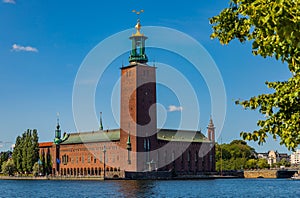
(133, 188)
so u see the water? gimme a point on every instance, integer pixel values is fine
(176, 188)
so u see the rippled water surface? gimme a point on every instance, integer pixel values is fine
(176, 188)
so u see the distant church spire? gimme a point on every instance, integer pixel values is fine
(101, 125)
(211, 130)
(137, 54)
(211, 123)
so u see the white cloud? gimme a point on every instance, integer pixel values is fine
(18, 48)
(9, 1)
(173, 108)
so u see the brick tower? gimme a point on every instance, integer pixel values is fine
(138, 107)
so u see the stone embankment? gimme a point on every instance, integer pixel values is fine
(281, 173)
(260, 174)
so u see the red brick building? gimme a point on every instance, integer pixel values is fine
(138, 146)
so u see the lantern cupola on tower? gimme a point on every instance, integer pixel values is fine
(137, 54)
(58, 140)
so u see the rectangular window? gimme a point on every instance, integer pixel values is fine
(173, 156)
(165, 156)
(157, 158)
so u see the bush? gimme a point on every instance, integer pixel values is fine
(9, 168)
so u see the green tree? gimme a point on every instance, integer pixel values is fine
(8, 167)
(37, 169)
(273, 28)
(26, 151)
(234, 155)
(43, 162)
(284, 162)
(17, 154)
(48, 164)
(262, 163)
(35, 146)
(3, 158)
(29, 150)
(251, 164)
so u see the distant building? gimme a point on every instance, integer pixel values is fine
(295, 157)
(273, 157)
(262, 156)
(138, 146)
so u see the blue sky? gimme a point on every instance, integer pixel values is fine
(43, 44)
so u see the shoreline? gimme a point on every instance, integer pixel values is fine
(63, 178)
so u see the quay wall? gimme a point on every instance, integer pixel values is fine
(260, 174)
(269, 173)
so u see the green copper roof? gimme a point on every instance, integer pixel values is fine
(181, 135)
(114, 135)
(95, 136)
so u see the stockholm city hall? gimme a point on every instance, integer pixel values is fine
(138, 149)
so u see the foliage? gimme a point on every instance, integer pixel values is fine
(234, 155)
(46, 164)
(37, 169)
(262, 163)
(8, 167)
(273, 28)
(284, 162)
(251, 164)
(26, 151)
(17, 154)
(4, 157)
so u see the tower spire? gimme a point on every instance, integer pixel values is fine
(101, 126)
(57, 131)
(57, 118)
(211, 123)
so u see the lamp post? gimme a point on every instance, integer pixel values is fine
(104, 151)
